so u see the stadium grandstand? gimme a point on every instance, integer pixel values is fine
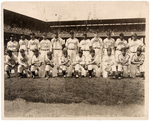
(17, 23)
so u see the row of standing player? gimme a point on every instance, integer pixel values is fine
(72, 44)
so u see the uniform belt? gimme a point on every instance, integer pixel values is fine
(57, 49)
(96, 47)
(70, 49)
(132, 52)
(85, 50)
(45, 49)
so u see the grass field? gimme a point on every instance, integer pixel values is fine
(72, 90)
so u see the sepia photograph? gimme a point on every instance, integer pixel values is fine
(75, 60)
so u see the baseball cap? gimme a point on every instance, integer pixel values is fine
(109, 49)
(134, 34)
(121, 34)
(81, 51)
(22, 50)
(71, 32)
(49, 53)
(85, 34)
(139, 48)
(32, 33)
(9, 51)
(35, 50)
(108, 32)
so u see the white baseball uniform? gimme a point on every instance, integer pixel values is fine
(32, 44)
(45, 46)
(119, 44)
(97, 45)
(94, 59)
(122, 58)
(133, 45)
(72, 46)
(64, 59)
(10, 61)
(23, 63)
(78, 67)
(108, 43)
(85, 47)
(108, 60)
(47, 63)
(57, 47)
(13, 46)
(140, 58)
(36, 61)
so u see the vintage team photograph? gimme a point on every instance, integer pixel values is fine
(75, 59)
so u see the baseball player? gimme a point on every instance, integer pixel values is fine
(97, 45)
(93, 63)
(123, 62)
(138, 60)
(36, 62)
(65, 62)
(119, 44)
(13, 45)
(80, 64)
(133, 44)
(11, 62)
(45, 46)
(23, 62)
(32, 44)
(72, 45)
(109, 42)
(85, 46)
(57, 46)
(109, 64)
(49, 62)
(23, 43)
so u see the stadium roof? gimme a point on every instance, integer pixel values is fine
(75, 10)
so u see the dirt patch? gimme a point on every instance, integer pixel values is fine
(21, 108)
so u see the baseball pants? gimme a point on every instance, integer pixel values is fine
(86, 54)
(79, 68)
(57, 55)
(43, 54)
(21, 68)
(72, 54)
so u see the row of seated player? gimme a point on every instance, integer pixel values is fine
(126, 66)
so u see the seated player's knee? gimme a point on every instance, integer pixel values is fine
(89, 67)
(7, 68)
(33, 68)
(20, 68)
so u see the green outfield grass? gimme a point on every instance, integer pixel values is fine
(71, 90)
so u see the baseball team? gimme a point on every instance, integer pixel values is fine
(95, 57)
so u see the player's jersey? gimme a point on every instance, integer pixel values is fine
(85, 44)
(36, 60)
(64, 59)
(33, 44)
(80, 59)
(45, 45)
(13, 46)
(72, 43)
(109, 43)
(23, 60)
(11, 60)
(96, 43)
(48, 61)
(95, 59)
(133, 45)
(109, 59)
(120, 44)
(136, 58)
(23, 44)
(122, 58)
(57, 43)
